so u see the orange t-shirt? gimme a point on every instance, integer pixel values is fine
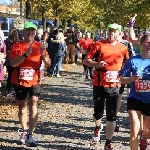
(33, 61)
(113, 55)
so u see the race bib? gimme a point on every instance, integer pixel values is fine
(142, 86)
(112, 76)
(26, 74)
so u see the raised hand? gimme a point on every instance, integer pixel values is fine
(133, 18)
(43, 47)
(28, 52)
(132, 21)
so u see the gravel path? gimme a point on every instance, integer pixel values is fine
(65, 118)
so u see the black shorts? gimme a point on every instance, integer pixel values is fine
(134, 104)
(22, 91)
(99, 95)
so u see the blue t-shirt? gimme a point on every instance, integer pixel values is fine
(137, 66)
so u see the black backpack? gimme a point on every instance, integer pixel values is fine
(54, 48)
(8, 47)
(70, 38)
(129, 46)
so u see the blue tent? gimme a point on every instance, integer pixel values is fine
(34, 21)
(47, 22)
(11, 21)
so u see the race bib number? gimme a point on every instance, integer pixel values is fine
(26, 74)
(142, 86)
(112, 76)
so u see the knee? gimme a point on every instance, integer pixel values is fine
(22, 111)
(111, 123)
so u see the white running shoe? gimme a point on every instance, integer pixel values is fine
(23, 137)
(96, 136)
(58, 76)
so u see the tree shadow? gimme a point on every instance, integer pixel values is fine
(67, 94)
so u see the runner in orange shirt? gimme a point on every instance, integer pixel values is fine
(26, 57)
(85, 45)
(106, 82)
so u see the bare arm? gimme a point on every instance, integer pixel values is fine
(125, 80)
(16, 61)
(128, 80)
(132, 34)
(91, 63)
(46, 60)
(45, 57)
(131, 29)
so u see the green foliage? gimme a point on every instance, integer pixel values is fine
(92, 14)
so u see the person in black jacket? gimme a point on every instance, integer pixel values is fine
(12, 38)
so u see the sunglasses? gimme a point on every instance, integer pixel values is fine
(29, 29)
(112, 30)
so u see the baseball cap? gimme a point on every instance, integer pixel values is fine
(30, 25)
(119, 27)
(114, 26)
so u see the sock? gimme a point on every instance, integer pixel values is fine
(26, 130)
(107, 142)
(110, 127)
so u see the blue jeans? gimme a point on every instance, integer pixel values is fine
(77, 55)
(42, 70)
(52, 60)
(87, 69)
(56, 60)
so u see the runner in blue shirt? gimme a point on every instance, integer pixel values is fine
(137, 72)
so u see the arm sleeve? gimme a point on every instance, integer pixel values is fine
(127, 69)
(80, 41)
(126, 55)
(15, 51)
(96, 47)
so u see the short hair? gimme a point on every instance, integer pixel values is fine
(61, 36)
(45, 32)
(13, 35)
(144, 37)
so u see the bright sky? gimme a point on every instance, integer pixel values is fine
(5, 1)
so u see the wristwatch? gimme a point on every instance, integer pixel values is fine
(24, 54)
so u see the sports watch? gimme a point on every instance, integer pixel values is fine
(24, 54)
